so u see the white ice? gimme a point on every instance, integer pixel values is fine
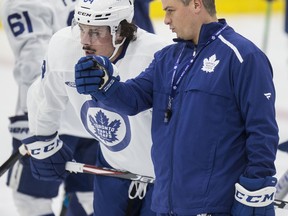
(251, 26)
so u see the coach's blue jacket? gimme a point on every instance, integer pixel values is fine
(222, 123)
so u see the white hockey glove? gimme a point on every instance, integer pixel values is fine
(19, 128)
(48, 156)
(254, 197)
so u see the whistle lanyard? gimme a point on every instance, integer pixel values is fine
(175, 83)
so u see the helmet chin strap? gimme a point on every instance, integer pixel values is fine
(117, 46)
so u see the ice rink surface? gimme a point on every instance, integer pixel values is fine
(251, 26)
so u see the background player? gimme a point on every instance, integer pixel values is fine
(29, 26)
(142, 15)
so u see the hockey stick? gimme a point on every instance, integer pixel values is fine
(282, 186)
(85, 168)
(281, 204)
(267, 25)
(13, 159)
(78, 167)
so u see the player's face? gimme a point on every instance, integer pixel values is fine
(96, 40)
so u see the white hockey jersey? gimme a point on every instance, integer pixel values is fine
(125, 140)
(29, 25)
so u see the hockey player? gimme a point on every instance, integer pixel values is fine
(142, 16)
(101, 27)
(214, 131)
(29, 26)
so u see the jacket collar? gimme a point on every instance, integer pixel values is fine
(206, 32)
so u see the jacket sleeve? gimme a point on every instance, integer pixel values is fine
(255, 95)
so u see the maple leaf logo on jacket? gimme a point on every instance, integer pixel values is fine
(210, 64)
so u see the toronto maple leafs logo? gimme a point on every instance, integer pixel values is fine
(210, 64)
(105, 130)
(110, 128)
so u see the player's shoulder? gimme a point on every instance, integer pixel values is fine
(64, 46)
(64, 32)
(144, 37)
(147, 43)
(237, 43)
(64, 35)
(64, 39)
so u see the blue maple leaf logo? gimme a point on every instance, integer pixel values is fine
(105, 131)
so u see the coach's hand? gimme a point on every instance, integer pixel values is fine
(48, 156)
(254, 197)
(96, 75)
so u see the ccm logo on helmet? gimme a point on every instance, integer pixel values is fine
(46, 148)
(84, 14)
